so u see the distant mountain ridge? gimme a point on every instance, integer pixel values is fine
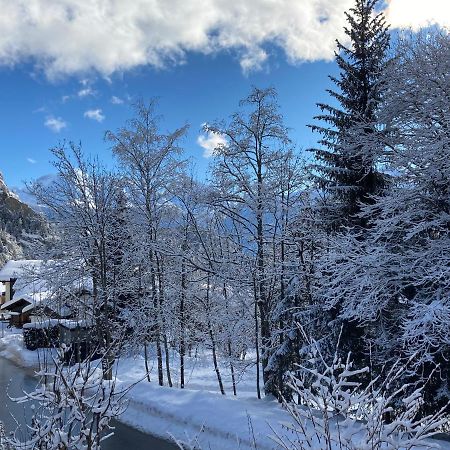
(26, 197)
(23, 231)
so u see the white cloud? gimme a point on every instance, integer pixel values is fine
(253, 60)
(116, 100)
(78, 36)
(95, 114)
(210, 142)
(31, 160)
(417, 14)
(56, 124)
(85, 92)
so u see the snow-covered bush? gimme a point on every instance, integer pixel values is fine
(189, 443)
(4, 445)
(335, 410)
(43, 334)
(72, 408)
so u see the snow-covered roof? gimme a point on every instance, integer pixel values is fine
(62, 310)
(11, 302)
(18, 268)
(73, 324)
(42, 324)
(31, 284)
(33, 291)
(28, 285)
(29, 307)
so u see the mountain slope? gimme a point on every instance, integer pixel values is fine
(22, 230)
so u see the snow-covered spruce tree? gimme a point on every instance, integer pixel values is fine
(347, 163)
(346, 167)
(396, 281)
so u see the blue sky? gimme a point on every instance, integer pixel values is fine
(203, 89)
(69, 69)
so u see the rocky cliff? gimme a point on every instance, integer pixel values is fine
(23, 231)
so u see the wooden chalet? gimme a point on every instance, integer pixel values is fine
(12, 302)
(24, 292)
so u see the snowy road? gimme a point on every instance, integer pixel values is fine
(14, 379)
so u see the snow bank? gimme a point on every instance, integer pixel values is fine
(219, 422)
(42, 324)
(12, 348)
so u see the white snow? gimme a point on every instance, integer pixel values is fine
(28, 286)
(219, 422)
(42, 324)
(17, 269)
(199, 412)
(72, 324)
(12, 348)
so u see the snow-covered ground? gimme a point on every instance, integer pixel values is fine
(198, 412)
(222, 422)
(199, 373)
(12, 348)
(219, 422)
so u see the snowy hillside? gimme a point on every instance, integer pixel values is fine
(22, 230)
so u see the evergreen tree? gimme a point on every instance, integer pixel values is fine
(346, 167)
(347, 164)
(395, 280)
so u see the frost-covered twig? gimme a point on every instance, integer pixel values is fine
(336, 411)
(72, 407)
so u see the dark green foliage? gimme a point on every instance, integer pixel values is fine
(45, 337)
(346, 167)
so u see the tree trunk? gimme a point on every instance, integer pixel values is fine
(160, 363)
(213, 341)
(160, 267)
(230, 353)
(167, 358)
(233, 378)
(158, 319)
(260, 291)
(182, 322)
(216, 365)
(258, 389)
(147, 370)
